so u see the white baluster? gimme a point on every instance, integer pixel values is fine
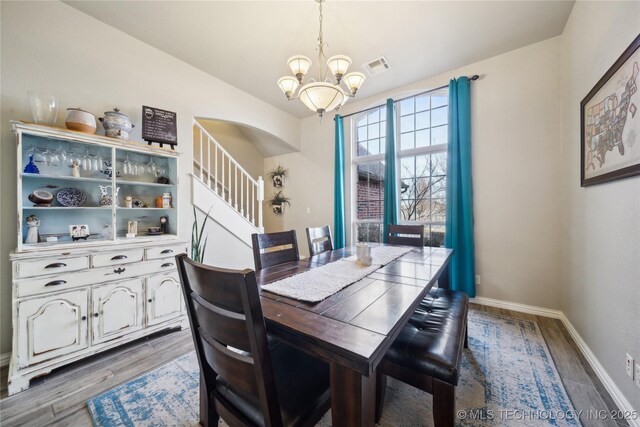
(200, 159)
(260, 199)
(222, 189)
(229, 184)
(208, 162)
(215, 166)
(242, 178)
(235, 186)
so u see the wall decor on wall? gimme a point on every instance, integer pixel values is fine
(610, 123)
(278, 201)
(278, 176)
(160, 126)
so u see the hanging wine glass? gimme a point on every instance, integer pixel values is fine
(140, 169)
(61, 154)
(99, 162)
(49, 158)
(127, 168)
(86, 162)
(151, 167)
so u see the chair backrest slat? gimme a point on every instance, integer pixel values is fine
(319, 239)
(230, 336)
(274, 248)
(407, 235)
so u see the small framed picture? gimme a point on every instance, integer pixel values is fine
(132, 228)
(79, 232)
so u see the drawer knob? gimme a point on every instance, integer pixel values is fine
(56, 283)
(150, 300)
(118, 257)
(95, 315)
(119, 270)
(56, 265)
(166, 264)
(84, 317)
(167, 251)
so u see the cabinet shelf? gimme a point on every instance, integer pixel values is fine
(143, 209)
(146, 184)
(37, 176)
(68, 208)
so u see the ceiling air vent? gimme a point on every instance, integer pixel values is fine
(377, 66)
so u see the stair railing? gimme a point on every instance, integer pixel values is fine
(224, 176)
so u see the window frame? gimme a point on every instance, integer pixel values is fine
(400, 154)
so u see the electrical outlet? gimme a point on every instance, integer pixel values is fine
(638, 374)
(478, 279)
(629, 366)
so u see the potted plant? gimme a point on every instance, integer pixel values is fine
(278, 175)
(278, 201)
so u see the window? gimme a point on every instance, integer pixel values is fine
(421, 148)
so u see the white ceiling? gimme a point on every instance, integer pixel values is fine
(247, 43)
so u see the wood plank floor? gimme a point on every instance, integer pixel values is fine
(59, 399)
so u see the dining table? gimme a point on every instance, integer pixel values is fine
(353, 328)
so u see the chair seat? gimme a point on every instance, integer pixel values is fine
(432, 340)
(302, 383)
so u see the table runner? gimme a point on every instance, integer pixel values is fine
(321, 282)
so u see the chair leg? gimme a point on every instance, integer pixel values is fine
(444, 403)
(381, 387)
(466, 336)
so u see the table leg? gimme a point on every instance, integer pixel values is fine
(204, 408)
(352, 397)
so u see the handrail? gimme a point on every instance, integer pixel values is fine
(220, 181)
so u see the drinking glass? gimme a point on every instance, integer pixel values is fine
(86, 162)
(44, 108)
(62, 155)
(151, 167)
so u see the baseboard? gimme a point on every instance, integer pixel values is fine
(4, 359)
(523, 308)
(612, 388)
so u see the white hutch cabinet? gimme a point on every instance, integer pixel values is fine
(72, 298)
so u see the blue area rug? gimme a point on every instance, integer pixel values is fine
(508, 378)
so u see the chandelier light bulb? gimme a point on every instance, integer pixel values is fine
(288, 85)
(353, 81)
(339, 64)
(299, 65)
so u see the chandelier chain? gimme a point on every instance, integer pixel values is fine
(320, 44)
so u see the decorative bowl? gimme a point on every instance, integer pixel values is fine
(41, 198)
(81, 121)
(71, 197)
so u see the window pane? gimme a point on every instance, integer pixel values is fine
(439, 163)
(439, 116)
(361, 121)
(438, 210)
(374, 146)
(434, 236)
(407, 167)
(406, 107)
(406, 123)
(422, 120)
(438, 101)
(438, 187)
(422, 166)
(422, 138)
(362, 149)
(373, 131)
(406, 140)
(422, 103)
(370, 189)
(383, 128)
(374, 116)
(362, 133)
(408, 189)
(439, 135)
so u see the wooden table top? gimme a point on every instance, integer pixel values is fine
(355, 326)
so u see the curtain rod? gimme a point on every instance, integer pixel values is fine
(472, 78)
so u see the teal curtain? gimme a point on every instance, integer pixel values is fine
(390, 213)
(459, 218)
(338, 187)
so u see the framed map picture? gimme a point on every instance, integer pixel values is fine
(610, 122)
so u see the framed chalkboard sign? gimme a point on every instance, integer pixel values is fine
(159, 126)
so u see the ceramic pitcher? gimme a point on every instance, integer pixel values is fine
(106, 199)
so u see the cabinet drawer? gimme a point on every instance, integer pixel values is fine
(166, 251)
(41, 267)
(116, 258)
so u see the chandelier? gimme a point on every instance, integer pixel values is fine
(321, 95)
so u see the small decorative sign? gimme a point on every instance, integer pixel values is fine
(159, 126)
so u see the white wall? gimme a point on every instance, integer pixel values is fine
(516, 171)
(601, 224)
(52, 47)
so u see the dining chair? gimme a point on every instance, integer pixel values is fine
(274, 248)
(319, 239)
(408, 235)
(246, 379)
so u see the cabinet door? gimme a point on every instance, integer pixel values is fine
(117, 310)
(164, 299)
(51, 326)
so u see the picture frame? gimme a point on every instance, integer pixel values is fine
(79, 232)
(610, 122)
